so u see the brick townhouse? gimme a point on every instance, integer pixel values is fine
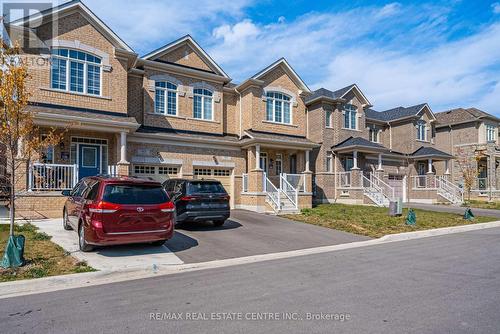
(471, 135)
(272, 142)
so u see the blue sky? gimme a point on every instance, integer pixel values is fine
(446, 53)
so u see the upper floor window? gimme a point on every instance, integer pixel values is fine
(329, 120)
(76, 71)
(350, 116)
(203, 104)
(373, 134)
(278, 108)
(490, 133)
(165, 98)
(421, 130)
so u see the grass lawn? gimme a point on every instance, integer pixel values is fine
(43, 257)
(374, 221)
(483, 204)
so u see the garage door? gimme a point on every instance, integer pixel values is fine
(220, 174)
(157, 172)
(396, 182)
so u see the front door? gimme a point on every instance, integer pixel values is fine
(421, 174)
(89, 160)
(263, 162)
(293, 164)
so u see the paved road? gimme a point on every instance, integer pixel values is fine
(446, 284)
(456, 209)
(249, 233)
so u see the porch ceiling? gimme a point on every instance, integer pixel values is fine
(81, 118)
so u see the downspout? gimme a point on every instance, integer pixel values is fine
(241, 118)
(335, 174)
(390, 136)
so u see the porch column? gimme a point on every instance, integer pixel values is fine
(355, 160)
(379, 168)
(429, 166)
(123, 148)
(447, 167)
(257, 157)
(307, 162)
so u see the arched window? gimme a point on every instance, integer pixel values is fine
(350, 116)
(278, 108)
(165, 98)
(76, 71)
(421, 130)
(203, 104)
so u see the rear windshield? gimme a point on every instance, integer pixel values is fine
(205, 188)
(134, 194)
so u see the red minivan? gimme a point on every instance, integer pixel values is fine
(118, 210)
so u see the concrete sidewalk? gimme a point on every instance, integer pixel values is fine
(117, 258)
(455, 209)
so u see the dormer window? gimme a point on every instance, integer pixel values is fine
(203, 104)
(165, 98)
(76, 71)
(421, 130)
(278, 108)
(490, 133)
(350, 116)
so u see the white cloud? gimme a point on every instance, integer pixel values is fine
(151, 24)
(496, 7)
(389, 10)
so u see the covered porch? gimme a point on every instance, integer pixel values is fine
(93, 143)
(278, 173)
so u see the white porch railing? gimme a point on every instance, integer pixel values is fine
(113, 170)
(374, 192)
(244, 182)
(272, 194)
(386, 189)
(449, 190)
(424, 181)
(52, 177)
(343, 179)
(290, 191)
(297, 181)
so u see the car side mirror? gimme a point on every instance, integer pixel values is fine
(66, 193)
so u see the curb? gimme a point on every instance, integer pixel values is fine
(56, 283)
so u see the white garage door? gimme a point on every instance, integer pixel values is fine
(156, 172)
(220, 174)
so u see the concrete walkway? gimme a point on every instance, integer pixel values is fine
(109, 258)
(455, 209)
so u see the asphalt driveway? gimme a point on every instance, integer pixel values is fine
(248, 233)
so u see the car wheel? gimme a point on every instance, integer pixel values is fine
(158, 243)
(219, 222)
(65, 221)
(84, 246)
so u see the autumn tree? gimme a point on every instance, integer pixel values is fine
(18, 133)
(467, 162)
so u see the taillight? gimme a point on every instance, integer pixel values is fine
(227, 197)
(189, 198)
(167, 207)
(103, 207)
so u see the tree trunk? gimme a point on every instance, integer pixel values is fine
(12, 195)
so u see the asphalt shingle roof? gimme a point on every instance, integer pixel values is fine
(360, 142)
(462, 115)
(426, 151)
(188, 133)
(394, 113)
(323, 92)
(279, 137)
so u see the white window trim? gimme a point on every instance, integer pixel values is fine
(203, 96)
(493, 130)
(165, 106)
(329, 118)
(85, 69)
(419, 124)
(344, 111)
(290, 102)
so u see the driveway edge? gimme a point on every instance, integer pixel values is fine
(55, 283)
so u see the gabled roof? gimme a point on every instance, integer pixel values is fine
(338, 94)
(359, 142)
(187, 39)
(397, 113)
(430, 152)
(290, 71)
(76, 5)
(462, 115)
